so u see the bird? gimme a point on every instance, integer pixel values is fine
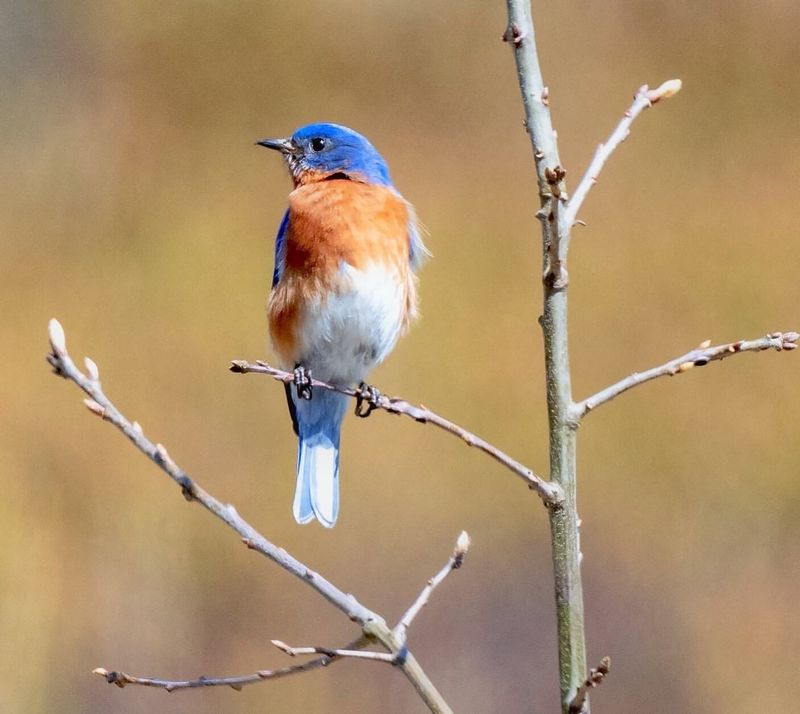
(344, 288)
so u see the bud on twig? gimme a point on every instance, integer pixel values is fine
(668, 89)
(95, 407)
(58, 340)
(92, 369)
(460, 552)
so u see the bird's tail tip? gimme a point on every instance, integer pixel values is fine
(317, 493)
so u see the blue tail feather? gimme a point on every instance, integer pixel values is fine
(319, 420)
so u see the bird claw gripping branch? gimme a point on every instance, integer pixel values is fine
(302, 381)
(369, 394)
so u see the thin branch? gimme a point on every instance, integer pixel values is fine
(595, 679)
(698, 357)
(550, 493)
(455, 562)
(332, 653)
(643, 99)
(372, 624)
(121, 679)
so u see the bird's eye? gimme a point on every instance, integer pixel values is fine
(317, 143)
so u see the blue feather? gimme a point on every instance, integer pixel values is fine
(280, 249)
(320, 422)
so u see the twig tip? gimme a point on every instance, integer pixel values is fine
(460, 552)
(283, 647)
(668, 89)
(58, 340)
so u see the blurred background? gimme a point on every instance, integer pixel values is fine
(135, 208)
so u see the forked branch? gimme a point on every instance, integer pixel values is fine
(121, 679)
(373, 626)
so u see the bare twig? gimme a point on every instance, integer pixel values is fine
(644, 98)
(373, 625)
(331, 653)
(595, 679)
(122, 679)
(550, 493)
(455, 562)
(698, 357)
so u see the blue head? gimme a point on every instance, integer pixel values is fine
(318, 152)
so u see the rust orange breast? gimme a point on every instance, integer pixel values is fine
(331, 222)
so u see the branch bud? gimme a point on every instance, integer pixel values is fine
(668, 89)
(283, 647)
(58, 340)
(95, 407)
(460, 552)
(92, 369)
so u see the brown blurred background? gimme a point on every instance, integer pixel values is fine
(135, 208)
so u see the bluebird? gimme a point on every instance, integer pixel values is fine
(344, 289)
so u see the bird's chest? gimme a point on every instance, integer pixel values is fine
(342, 297)
(344, 333)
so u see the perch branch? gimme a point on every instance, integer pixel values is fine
(643, 99)
(595, 679)
(550, 493)
(698, 357)
(121, 679)
(373, 625)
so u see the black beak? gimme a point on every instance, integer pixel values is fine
(285, 146)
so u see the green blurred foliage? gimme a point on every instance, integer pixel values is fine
(134, 207)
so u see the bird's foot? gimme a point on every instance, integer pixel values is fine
(369, 395)
(302, 382)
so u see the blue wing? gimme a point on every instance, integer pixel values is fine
(280, 249)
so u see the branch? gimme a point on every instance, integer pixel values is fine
(372, 624)
(643, 99)
(121, 679)
(332, 653)
(694, 358)
(455, 562)
(564, 535)
(595, 679)
(550, 493)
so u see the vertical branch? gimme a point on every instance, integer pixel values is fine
(555, 237)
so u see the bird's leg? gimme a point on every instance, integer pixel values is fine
(302, 381)
(370, 395)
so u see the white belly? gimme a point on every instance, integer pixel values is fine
(344, 336)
